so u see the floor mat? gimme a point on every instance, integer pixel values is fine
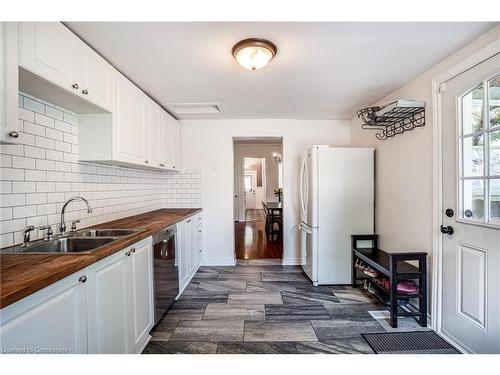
(427, 342)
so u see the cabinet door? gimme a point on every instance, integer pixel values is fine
(128, 122)
(9, 82)
(182, 242)
(52, 320)
(176, 144)
(141, 288)
(108, 305)
(49, 50)
(95, 77)
(153, 134)
(198, 242)
(165, 138)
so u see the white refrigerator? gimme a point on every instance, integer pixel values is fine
(337, 199)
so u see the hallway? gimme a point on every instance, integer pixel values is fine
(251, 241)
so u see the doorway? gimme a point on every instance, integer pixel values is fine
(469, 307)
(257, 184)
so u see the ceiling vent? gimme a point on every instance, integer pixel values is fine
(194, 108)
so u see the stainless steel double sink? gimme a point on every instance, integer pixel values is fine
(82, 241)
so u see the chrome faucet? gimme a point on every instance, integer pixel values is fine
(62, 226)
(26, 237)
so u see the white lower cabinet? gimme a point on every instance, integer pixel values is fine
(108, 301)
(52, 320)
(104, 308)
(189, 249)
(140, 271)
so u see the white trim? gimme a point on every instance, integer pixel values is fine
(293, 261)
(219, 262)
(438, 88)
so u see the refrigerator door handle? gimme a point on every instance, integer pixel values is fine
(301, 186)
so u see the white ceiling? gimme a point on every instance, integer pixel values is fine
(321, 71)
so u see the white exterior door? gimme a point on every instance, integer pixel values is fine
(471, 188)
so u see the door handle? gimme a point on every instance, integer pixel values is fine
(447, 230)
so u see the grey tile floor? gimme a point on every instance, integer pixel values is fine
(260, 307)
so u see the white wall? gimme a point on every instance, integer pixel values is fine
(207, 145)
(404, 164)
(41, 172)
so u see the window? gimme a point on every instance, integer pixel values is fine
(248, 183)
(479, 182)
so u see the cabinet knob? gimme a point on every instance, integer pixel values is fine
(82, 278)
(146, 161)
(199, 231)
(132, 249)
(75, 86)
(85, 92)
(14, 134)
(128, 253)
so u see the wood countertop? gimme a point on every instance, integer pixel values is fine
(24, 274)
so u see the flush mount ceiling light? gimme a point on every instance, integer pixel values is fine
(254, 53)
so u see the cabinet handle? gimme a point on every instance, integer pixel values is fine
(189, 220)
(75, 86)
(133, 249)
(85, 92)
(173, 166)
(128, 253)
(199, 231)
(14, 134)
(82, 278)
(162, 165)
(145, 161)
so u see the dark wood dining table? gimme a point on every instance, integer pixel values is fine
(275, 207)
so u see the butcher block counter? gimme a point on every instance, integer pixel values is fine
(24, 274)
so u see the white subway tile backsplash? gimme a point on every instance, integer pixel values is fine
(35, 196)
(23, 187)
(22, 162)
(46, 121)
(33, 105)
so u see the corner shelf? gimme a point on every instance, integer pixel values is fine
(399, 117)
(395, 267)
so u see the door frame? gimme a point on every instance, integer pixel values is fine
(438, 88)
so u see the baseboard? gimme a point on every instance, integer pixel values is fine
(219, 262)
(453, 341)
(143, 346)
(293, 261)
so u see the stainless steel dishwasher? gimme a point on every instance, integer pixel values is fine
(166, 279)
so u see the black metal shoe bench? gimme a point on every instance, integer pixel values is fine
(395, 267)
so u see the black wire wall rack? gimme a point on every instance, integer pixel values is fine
(397, 120)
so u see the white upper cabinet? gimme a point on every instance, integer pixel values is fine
(9, 124)
(95, 77)
(50, 50)
(129, 123)
(118, 123)
(176, 144)
(153, 134)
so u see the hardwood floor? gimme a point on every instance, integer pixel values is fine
(251, 241)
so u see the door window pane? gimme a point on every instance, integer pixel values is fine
(495, 153)
(495, 200)
(472, 111)
(473, 154)
(494, 87)
(248, 182)
(473, 199)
